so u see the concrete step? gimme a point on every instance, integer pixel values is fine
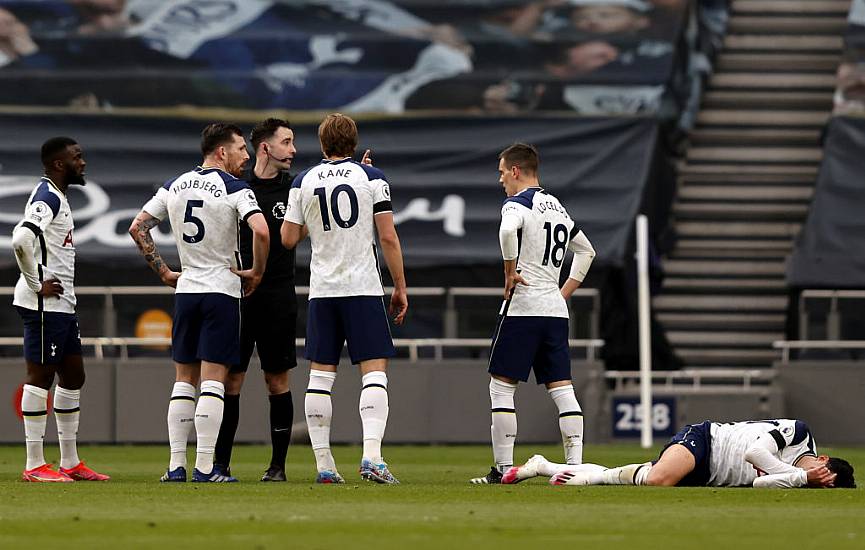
(725, 267)
(791, 193)
(810, 24)
(746, 170)
(722, 321)
(739, 211)
(755, 154)
(791, 42)
(729, 117)
(836, 7)
(775, 62)
(724, 339)
(715, 285)
(757, 230)
(728, 357)
(729, 253)
(734, 253)
(671, 303)
(768, 100)
(781, 245)
(779, 81)
(737, 181)
(760, 137)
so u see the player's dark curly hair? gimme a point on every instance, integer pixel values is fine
(265, 130)
(54, 146)
(843, 473)
(217, 134)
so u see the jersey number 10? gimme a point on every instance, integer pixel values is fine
(320, 192)
(557, 240)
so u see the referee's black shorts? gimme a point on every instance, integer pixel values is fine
(268, 320)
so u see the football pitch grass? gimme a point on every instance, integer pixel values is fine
(434, 508)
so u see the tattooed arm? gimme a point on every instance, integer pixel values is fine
(140, 232)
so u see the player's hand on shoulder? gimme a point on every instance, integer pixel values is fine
(169, 278)
(398, 306)
(51, 288)
(251, 279)
(820, 476)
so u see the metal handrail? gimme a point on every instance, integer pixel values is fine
(450, 312)
(696, 375)
(413, 344)
(133, 290)
(786, 345)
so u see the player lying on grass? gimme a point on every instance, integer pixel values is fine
(759, 453)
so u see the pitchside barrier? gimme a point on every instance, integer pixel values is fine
(432, 400)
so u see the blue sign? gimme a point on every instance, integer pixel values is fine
(628, 416)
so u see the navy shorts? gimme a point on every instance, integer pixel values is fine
(697, 438)
(359, 320)
(49, 336)
(206, 328)
(268, 321)
(521, 344)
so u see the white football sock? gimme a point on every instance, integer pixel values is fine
(208, 418)
(66, 412)
(549, 469)
(631, 474)
(504, 426)
(373, 407)
(181, 416)
(34, 406)
(570, 422)
(319, 412)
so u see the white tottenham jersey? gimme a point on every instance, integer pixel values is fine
(337, 201)
(545, 231)
(205, 207)
(784, 442)
(48, 215)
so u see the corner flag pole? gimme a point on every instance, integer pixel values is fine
(644, 330)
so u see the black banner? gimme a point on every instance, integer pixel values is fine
(443, 175)
(828, 252)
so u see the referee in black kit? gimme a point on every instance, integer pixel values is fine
(269, 316)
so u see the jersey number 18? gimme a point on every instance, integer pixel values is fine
(557, 240)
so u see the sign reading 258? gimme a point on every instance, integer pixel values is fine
(628, 416)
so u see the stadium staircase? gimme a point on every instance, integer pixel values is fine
(747, 179)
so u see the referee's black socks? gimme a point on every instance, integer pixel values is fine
(281, 419)
(225, 441)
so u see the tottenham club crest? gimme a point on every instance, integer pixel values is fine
(279, 210)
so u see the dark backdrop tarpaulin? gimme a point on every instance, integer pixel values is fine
(443, 175)
(829, 251)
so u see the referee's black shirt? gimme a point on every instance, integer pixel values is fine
(272, 195)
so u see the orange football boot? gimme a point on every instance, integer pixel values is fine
(83, 473)
(44, 474)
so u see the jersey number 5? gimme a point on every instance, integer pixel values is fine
(320, 192)
(557, 240)
(188, 217)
